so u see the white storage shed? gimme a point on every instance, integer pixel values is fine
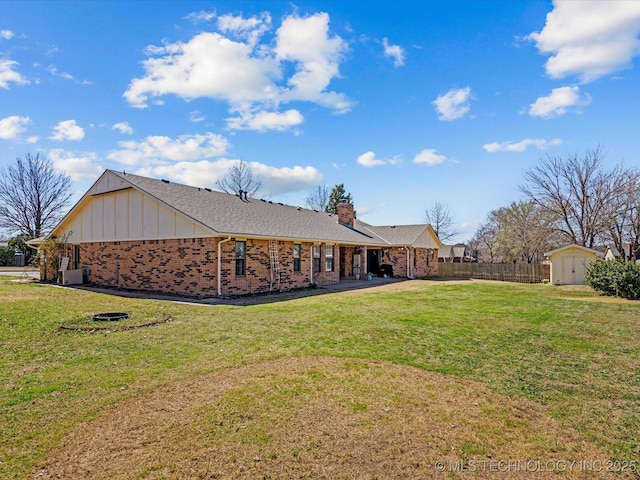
(569, 264)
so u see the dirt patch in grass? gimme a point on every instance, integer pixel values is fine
(322, 418)
(604, 299)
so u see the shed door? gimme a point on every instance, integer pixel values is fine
(573, 269)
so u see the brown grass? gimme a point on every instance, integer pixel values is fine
(318, 417)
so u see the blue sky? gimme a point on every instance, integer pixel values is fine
(406, 102)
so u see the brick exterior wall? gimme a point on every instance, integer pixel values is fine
(180, 266)
(189, 266)
(423, 262)
(257, 277)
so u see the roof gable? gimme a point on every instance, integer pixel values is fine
(420, 235)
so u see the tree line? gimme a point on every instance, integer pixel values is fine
(566, 200)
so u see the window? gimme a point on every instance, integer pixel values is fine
(296, 257)
(415, 258)
(316, 258)
(328, 258)
(76, 256)
(240, 255)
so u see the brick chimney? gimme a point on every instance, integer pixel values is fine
(346, 213)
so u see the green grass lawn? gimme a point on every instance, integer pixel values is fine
(579, 358)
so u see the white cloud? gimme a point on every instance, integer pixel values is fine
(67, 130)
(196, 116)
(7, 74)
(54, 71)
(155, 150)
(521, 146)
(248, 75)
(209, 65)
(263, 121)
(11, 127)
(558, 102)
(275, 181)
(249, 29)
(201, 16)
(394, 51)
(6, 34)
(453, 104)
(316, 55)
(589, 38)
(77, 167)
(123, 127)
(369, 160)
(428, 156)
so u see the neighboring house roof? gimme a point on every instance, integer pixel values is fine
(574, 247)
(223, 214)
(452, 251)
(612, 252)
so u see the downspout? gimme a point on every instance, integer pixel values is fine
(220, 265)
(311, 266)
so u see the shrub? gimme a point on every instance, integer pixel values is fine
(614, 278)
(6, 256)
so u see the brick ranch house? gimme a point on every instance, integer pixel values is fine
(140, 233)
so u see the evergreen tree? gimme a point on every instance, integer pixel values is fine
(337, 195)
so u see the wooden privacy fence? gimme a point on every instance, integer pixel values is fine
(504, 272)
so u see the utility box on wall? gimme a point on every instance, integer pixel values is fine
(70, 277)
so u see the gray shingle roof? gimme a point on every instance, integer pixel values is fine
(394, 235)
(229, 215)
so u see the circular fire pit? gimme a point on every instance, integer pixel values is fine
(110, 316)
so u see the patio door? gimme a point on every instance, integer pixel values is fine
(357, 270)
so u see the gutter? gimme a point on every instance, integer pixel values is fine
(220, 265)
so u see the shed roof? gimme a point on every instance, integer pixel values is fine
(574, 246)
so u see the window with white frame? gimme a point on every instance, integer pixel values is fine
(328, 258)
(316, 258)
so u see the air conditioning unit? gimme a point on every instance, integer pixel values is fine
(70, 277)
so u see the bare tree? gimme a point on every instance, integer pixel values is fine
(318, 198)
(624, 230)
(524, 232)
(440, 218)
(489, 239)
(33, 195)
(577, 194)
(240, 177)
